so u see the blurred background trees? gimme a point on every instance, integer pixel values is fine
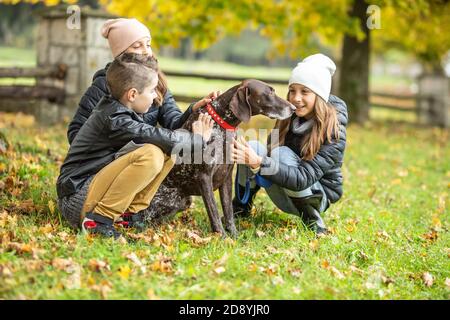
(279, 33)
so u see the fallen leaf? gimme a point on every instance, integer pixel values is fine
(427, 279)
(124, 272)
(253, 267)
(356, 270)
(325, 264)
(338, 274)
(432, 235)
(5, 271)
(222, 261)
(48, 228)
(20, 248)
(295, 272)
(103, 288)
(219, 270)
(133, 257)
(74, 280)
(260, 234)
(122, 240)
(277, 280)
(272, 269)
(163, 264)
(196, 239)
(151, 295)
(314, 245)
(98, 265)
(447, 283)
(296, 290)
(383, 235)
(51, 206)
(62, 264)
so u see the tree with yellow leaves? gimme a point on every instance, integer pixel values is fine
(294, 26)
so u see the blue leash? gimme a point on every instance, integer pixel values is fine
(260, 181)
(246, 196)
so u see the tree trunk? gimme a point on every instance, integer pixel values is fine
(354, 75)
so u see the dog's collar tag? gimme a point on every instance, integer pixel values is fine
(218, 119)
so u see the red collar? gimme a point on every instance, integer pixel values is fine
(218, 119)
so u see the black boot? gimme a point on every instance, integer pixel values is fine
(241, 210)
(309, 208)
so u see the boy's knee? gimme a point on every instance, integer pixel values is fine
(152, 156)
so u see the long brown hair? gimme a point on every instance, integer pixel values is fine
(325, 128)
(161, 87)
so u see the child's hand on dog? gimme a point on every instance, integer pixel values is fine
(210, 97)
(203, 126)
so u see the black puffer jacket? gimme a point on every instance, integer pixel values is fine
(168, 115)
(110, 127)
(324, 167)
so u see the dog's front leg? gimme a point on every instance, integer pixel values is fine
(206, 188)
(226, 199)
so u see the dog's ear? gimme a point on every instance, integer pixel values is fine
(240, 105)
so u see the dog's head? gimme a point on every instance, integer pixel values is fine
(253, 97)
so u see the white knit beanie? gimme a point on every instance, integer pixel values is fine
(315, 72)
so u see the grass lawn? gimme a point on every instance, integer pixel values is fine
(389, 236)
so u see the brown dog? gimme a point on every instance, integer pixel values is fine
(236, 105)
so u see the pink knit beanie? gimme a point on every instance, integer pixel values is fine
(122, 33)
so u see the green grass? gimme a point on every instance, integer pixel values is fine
(389, 229)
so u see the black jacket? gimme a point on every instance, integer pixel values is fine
(324, 167)
(110, 127)
(168, 115)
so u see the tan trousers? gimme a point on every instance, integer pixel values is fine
(129, 183)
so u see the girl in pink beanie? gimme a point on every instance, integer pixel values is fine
(131, 36)
(127, 35)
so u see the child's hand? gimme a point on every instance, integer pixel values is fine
(203, 126)
(210, 97)
(242, 153)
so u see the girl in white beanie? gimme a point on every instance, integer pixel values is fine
(305, 162)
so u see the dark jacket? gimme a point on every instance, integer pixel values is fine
(168, 115)
(325, 167)
(110, 127)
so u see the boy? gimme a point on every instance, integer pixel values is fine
(94, 187)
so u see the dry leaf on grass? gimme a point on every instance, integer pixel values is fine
(124, 272)
(428, 279)
(338, 274)
(196, 239)
(260, 234)
(219, 270)
(162, 264)
(134, 258)
(98, 265)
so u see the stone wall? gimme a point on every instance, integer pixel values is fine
(83, 50)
